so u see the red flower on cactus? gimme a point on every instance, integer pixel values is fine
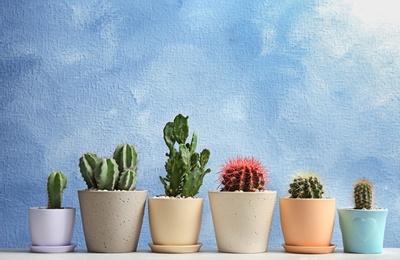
(243, 174)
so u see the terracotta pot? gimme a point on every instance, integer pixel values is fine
(363, 231)
(175, 221)
(51, 227)
(242, 220)
(112, 220)
(307, 222)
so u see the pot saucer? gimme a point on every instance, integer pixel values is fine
(175, 249)
(309, 249)
(52, 249)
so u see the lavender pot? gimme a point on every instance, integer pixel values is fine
(51, 227)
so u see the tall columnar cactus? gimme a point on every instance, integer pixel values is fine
(185, 167)
(117, 173)
(243, 174)
(363, 194)
(56, 183)
(306, 186)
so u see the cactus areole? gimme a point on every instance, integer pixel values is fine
(185, 167)
(243, 174)
(117, 173)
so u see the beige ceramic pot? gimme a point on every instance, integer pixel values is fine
(242, 220)
(175, 221)
(112, 220)
(307, 222)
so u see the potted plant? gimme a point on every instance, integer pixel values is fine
(112, 209)
(242, 210)
(175, 218)
(307, 219)
(363, 227)
(51, 227)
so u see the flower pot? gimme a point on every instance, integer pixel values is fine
(112, 220)
(242, 220)
(362, 230)
(175, 221)
(307, 223)
(51, 227)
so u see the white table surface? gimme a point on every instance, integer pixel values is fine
(209, 254)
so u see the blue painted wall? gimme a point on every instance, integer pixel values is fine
(298, 85)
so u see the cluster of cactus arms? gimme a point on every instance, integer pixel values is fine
(363, 194)
(117, 173)
(306, 187)
(56, 183)
(243, 174)
(185, 167)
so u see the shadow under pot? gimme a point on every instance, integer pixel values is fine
(362, 230)
(112, 220)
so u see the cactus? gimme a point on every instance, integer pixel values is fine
(185, 167)
(56, 183)
(87, 163)
(243, 174)
(114, 173)
(306, 186)
(363, 194)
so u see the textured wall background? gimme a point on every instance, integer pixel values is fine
(299, 85)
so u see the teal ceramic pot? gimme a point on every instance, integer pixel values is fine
(362, 230)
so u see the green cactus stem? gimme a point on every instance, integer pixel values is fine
(306, 186)
(126, 157)
(127, 180)
(185, 167)
(56, 183)
(363, 194)
(87, 163)
(106, 174)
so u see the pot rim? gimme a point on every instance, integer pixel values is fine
(306, 199)
(363, 210)
(242, 192)
(45, 208)
(176, 198)
(115, 191)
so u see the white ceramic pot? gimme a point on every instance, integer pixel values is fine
(112, 220)
(51, 227)
(242, 220)
(175, 221)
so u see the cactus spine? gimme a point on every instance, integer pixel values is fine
(185, 167)
(363, 194)
(117, 173)
(308, 186)
(56, 183)
(243, 174)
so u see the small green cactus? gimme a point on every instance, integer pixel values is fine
(56, 183)
(363, 194)
(185, 167)
(306, 186)
(117, 173)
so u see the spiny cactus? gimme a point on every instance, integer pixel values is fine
(56, 183)
(363, 194)
(306, 186)
(185, 167)
(117, 173)
(243, 174)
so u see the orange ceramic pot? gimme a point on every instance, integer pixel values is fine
(307, 222)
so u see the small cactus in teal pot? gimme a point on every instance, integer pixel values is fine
(363, 194)
(117, 173)
(56, 183)
(185, 167)
(306, 186)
